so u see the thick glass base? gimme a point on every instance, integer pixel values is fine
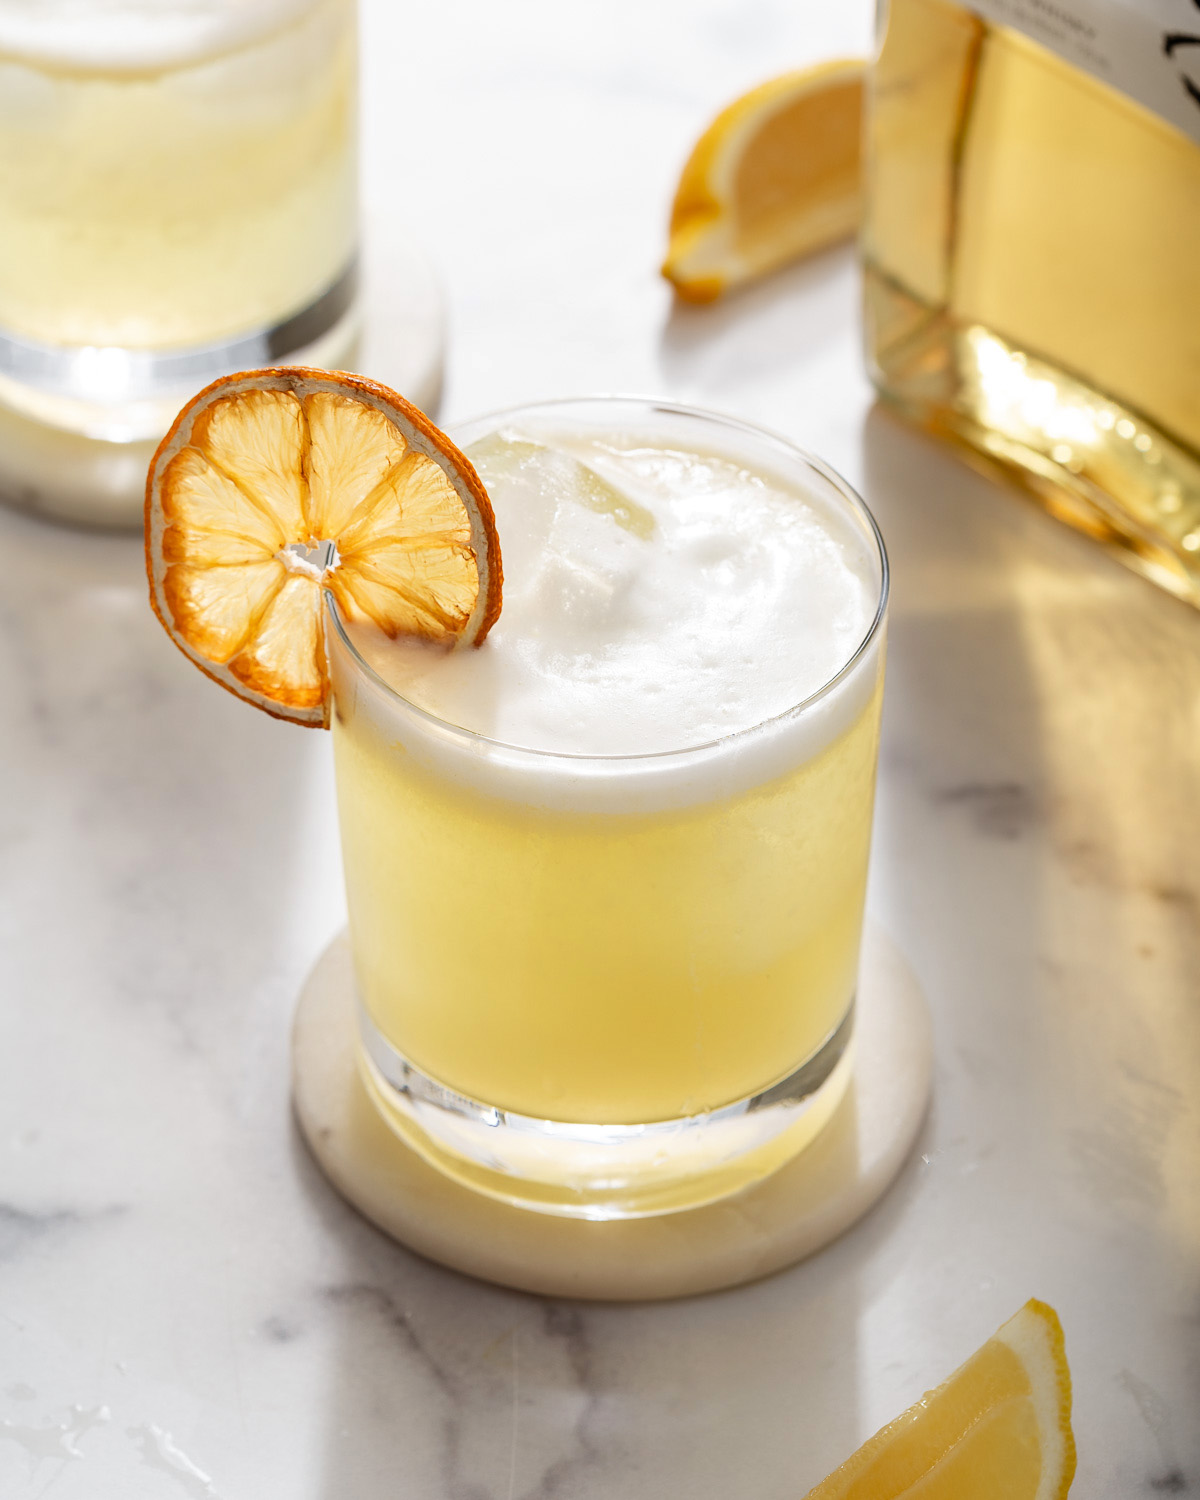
(791, 1213)
(78, 426)
(122, 395)
(1091, 461)
(605, 1171)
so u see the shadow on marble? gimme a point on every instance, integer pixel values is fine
(499, 1393)
(757, 332)
(1039, 780)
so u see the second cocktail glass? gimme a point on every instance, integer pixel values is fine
(178, 199)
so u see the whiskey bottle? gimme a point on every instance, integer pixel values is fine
(1032, 253)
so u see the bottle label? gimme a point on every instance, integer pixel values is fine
(1148, 49)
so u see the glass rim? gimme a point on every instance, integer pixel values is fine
(845, 491)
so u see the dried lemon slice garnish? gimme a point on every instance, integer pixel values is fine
(1000, 1426)
(274, 485)
(775, 176)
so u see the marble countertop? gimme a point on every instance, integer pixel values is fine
(188, 1310)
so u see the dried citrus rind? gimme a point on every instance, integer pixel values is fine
(275, 485)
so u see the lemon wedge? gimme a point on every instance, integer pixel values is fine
(998, 1429)
(775, 176)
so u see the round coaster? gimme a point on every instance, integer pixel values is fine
(92, 482)
(778, 1221)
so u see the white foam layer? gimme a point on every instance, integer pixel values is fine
(662, 605)
(106, 36)
(653, 600)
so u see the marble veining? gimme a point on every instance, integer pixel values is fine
(186, 1308)
(23, 1229)
(998, 809)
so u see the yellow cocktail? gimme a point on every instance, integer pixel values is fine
(606, 874)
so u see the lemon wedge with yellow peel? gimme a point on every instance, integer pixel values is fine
(998, 1429)
(775, 176)
(274, 486)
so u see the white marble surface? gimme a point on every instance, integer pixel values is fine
(188, 1310)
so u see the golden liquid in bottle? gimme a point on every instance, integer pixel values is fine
(1032, 257)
